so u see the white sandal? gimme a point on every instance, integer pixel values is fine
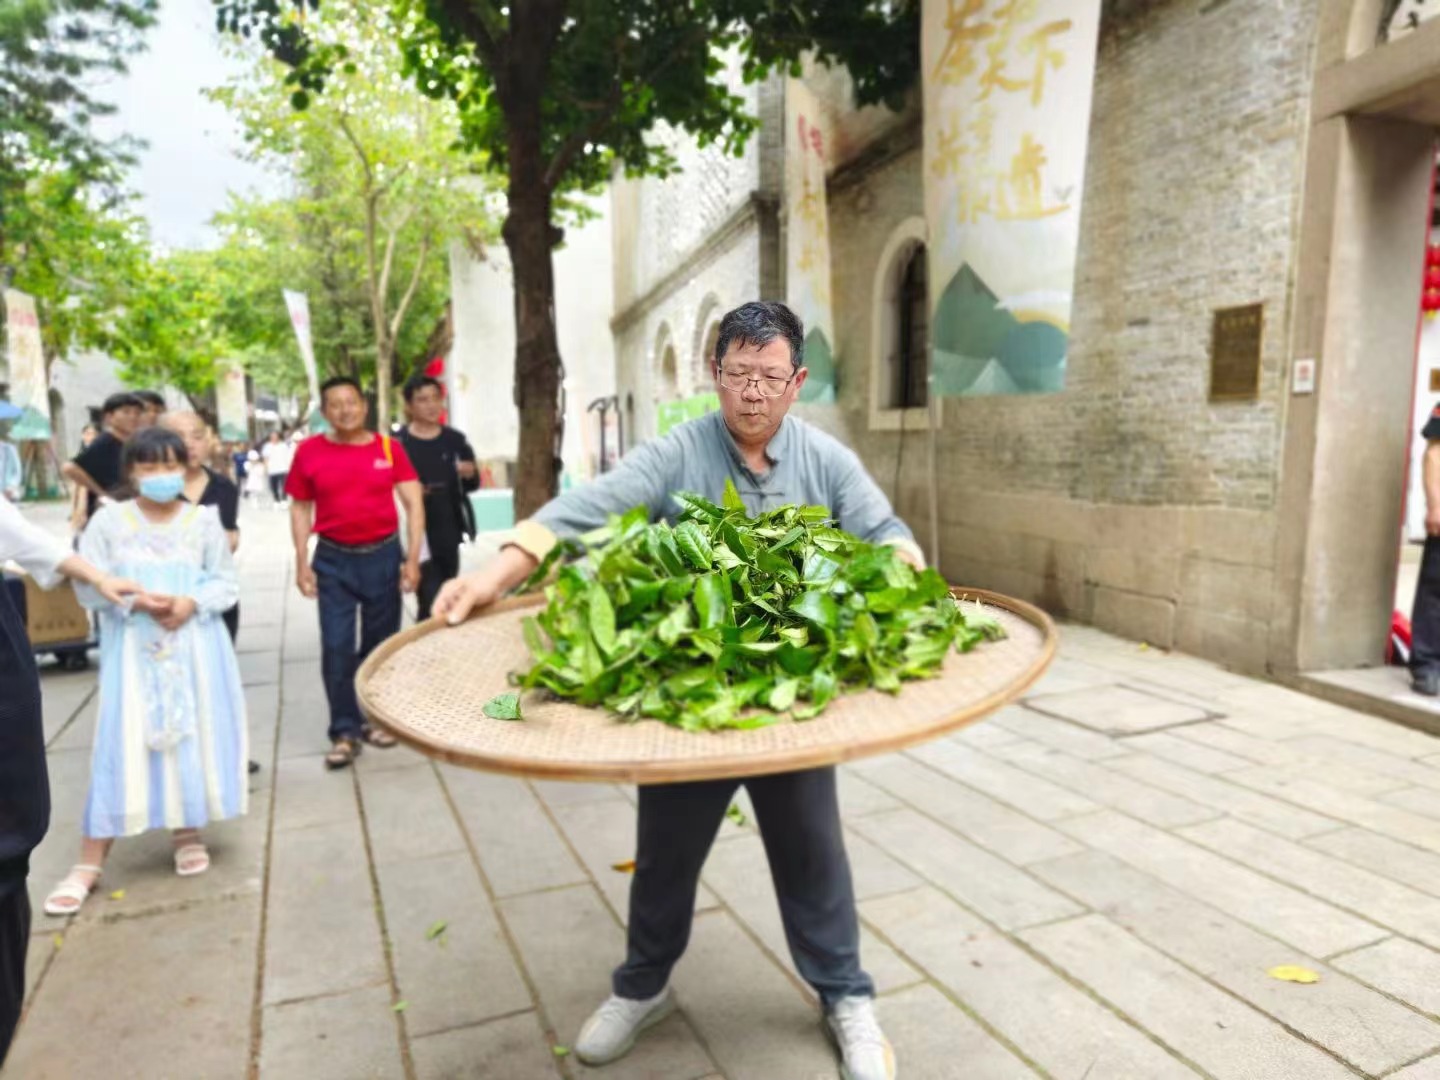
(72, 889)
(191, 859)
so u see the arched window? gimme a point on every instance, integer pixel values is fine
(707, 355)
(911, 369)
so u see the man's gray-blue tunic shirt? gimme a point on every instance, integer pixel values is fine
(808, 467)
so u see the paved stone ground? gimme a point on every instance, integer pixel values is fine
(1092, 884)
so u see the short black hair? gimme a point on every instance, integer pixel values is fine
(152, 446)
(150, 397)
(339, 380)
(416, 383)
(758, 323)
(122, 400)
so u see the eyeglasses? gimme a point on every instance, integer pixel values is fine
(737, 383)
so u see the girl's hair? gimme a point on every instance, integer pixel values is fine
(149, 446)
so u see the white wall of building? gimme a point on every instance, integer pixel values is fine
(481, 366)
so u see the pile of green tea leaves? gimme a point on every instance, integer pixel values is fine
(705, 624)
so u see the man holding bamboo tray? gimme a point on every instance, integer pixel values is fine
(773, 461)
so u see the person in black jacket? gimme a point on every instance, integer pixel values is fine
(24, 787)
(446, 464)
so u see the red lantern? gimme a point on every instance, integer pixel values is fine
(1430, 302)
(1432, 255)
(1432, 278)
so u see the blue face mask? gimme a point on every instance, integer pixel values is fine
(162, 488)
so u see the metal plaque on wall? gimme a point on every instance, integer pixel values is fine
(1236, 337)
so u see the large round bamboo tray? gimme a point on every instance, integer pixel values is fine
(427, 685)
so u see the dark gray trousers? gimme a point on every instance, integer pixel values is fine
(799, 819)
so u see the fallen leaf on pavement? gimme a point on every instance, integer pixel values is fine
(737, 815)
(436, 930)
(626, 867)
(1293, 973)
(560, 1051)
(400, 1006)
(118, 894)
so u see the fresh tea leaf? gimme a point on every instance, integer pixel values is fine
(504, 706)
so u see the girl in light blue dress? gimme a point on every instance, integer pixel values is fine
(170, 742)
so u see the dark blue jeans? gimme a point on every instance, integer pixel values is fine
(351, 584)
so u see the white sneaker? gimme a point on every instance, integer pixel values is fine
(865, 1053)
(613, 1028)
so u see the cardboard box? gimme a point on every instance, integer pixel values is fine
(54, 616)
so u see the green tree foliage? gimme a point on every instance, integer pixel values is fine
(79, 258)
(556, 93)
(380, 187)
(52, 53)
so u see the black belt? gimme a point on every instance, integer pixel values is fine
(358, 549)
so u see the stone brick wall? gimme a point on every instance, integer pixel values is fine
(1128, 500)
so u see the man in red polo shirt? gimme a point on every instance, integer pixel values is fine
(342, 487)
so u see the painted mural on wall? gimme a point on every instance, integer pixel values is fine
(29, 389)
(1008, 87)
(807, 246)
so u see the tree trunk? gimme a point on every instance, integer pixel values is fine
(384, 360)
(530, 238)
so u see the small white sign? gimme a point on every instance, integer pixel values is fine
(1304, 380)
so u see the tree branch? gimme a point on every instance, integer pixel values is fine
(410, 290)
(571, 148)
(391, 234)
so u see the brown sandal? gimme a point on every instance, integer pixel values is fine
(343, 753)
(381, 740)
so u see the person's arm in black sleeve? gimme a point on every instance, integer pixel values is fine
(465, 455)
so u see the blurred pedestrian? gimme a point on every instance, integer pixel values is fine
(278, 453)
(446, 466)
(87, 435)
(96, 469)
(24, 785)
(343, 487)
(170, 741)
(239, 460)
(154, 408)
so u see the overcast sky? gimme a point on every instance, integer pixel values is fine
(191, 161)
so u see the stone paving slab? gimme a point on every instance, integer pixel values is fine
(1117, 710)
(520, 849)
(1402, 969)
(1218, 794)
(160, 990)
(511, 1048)
(1311, 925)
(353, 1035)
(1357, 1024)
(1395, 860)
(1061, 1028)
(1386, 902)
(991, 824)
(1226, 1038)
(453, 964)
(1004, 894)
(322, 936)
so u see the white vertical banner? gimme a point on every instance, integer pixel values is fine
(1008, 88)
(298, 305)
(29, 389)
(231, 406)
(807, 237)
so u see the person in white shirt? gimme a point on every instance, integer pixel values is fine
(24, 787)
(278, 453)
